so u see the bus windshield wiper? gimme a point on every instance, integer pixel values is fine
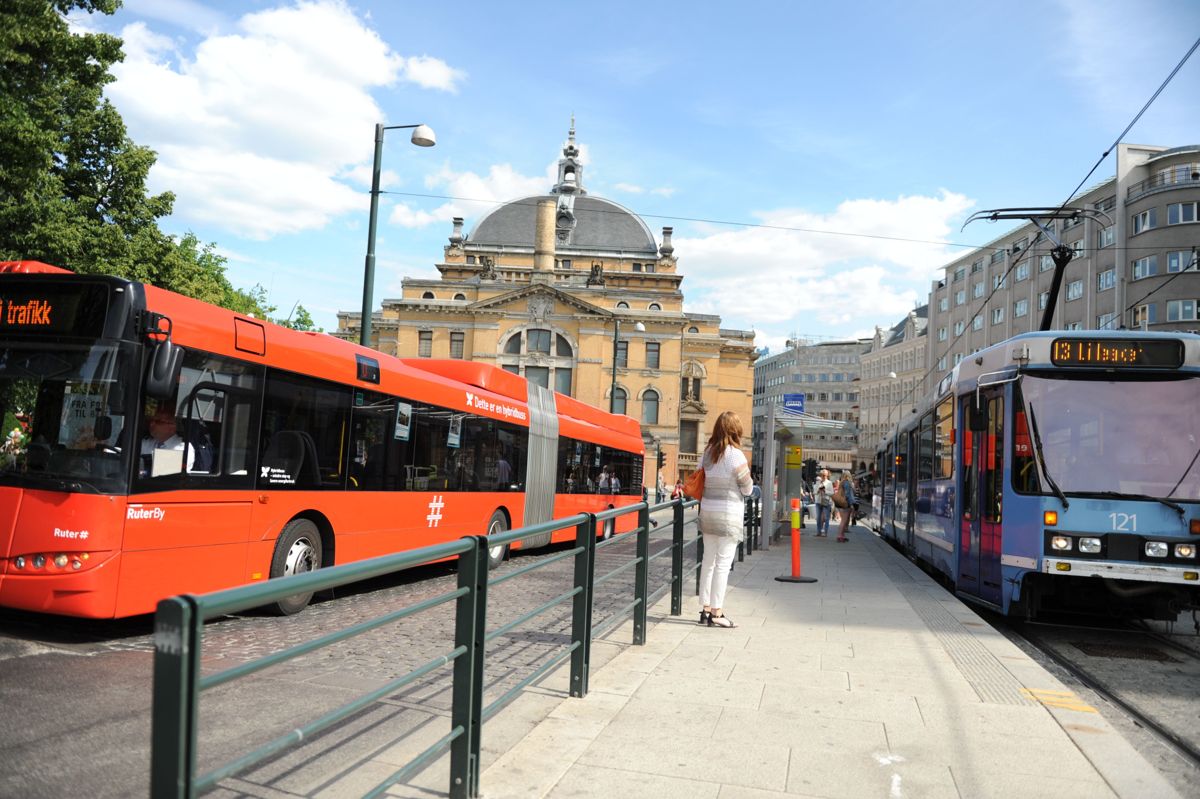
(1172, 505)
(1041, 459)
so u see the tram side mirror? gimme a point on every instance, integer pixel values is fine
(977, 417)
(162, 373)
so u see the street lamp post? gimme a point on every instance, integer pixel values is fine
(612, 395)
(422, 136)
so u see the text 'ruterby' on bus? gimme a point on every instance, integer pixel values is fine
(155, 445)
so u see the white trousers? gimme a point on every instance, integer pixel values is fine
(714, 571)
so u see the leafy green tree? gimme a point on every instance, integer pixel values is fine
(72, 183)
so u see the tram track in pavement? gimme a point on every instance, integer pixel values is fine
(1135, 672)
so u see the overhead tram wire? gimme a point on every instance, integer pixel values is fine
(725, 222)
(1029, 249)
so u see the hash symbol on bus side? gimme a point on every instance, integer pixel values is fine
(435, 511)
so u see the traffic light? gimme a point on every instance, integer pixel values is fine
(662, 459)
(810, 469)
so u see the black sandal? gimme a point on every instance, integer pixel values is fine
(705, 617)
(715, 621)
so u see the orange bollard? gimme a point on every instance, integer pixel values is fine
(795, 576)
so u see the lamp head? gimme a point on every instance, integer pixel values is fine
(423, 136)
(639, 327)
(891, 375)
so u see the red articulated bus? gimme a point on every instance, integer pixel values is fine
(154, 445)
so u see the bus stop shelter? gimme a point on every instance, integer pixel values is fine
(782, 472)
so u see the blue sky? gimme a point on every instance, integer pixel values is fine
(875, 119)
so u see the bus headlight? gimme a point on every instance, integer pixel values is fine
(1060, 542)
(39, 561)
(1185, 550)
(19, 561)
(1156, 549)
(1089, 545)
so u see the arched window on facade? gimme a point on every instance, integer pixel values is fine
(427, 295)
(460, 296)
(620, 401)
(654, 306)
(542, 356)
(693, 329)
(650, 407)
(622, 304)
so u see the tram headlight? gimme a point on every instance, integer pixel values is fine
(1061, 542)
(1185, 550)
(1090, 545)
(1156, 549)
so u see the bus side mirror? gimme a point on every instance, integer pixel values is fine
(162, 373)
(977, 417)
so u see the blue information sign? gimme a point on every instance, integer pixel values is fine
(793, 403)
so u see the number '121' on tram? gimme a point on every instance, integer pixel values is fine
(1056, 470)
(155, 445)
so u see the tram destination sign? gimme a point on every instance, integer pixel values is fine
(1117, 353)
(66, 308)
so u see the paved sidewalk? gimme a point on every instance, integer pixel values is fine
(872, 682)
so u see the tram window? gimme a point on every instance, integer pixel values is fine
(994, 461)
(925, 450)
(943, 452)
(1024, 466)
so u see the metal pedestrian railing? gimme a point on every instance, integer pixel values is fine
(179, 626)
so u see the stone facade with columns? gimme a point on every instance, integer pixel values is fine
(554, 287)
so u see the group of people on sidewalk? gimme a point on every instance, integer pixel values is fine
(834, 499)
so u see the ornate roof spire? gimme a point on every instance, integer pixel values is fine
(570, 171)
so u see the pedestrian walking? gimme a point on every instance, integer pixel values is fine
(677, 492)
(722, 510)
(845, 488)
(660, 490)
(824, 492)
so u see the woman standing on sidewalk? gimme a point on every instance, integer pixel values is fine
(726, 485)
(846, 487)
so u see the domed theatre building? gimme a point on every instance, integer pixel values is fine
(557, 288)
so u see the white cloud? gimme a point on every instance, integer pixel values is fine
(255, 127)
(433, 73)
(663, 191)
(479, 193)
(629, 188)
(782, 280)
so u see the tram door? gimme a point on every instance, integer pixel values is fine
(983, 487)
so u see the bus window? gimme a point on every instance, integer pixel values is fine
(303, 429)
(372, 425)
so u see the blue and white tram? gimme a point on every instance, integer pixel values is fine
(1056, 470)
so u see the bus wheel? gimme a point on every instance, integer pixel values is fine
(297, 551)
(496, 525)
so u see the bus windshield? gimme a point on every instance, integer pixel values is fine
(64, 413)
(1132, 437)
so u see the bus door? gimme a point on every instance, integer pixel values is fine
(983, 482)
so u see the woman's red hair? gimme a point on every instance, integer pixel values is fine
(726, 431)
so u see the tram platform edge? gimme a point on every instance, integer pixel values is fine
(870, 681)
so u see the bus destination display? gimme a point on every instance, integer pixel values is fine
(65, 309)
(1117, 353)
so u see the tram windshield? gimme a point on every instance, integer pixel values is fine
(1136, 437)
(63, 412)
